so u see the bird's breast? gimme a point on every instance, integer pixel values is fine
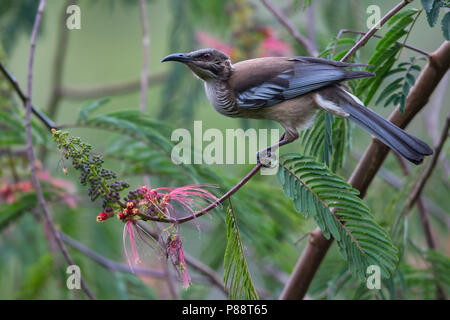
(219, 96)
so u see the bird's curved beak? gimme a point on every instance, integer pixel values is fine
(180, 57)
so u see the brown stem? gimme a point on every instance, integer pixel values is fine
(145, 54)
(425, 221)
(30, 153)
(367, 168)
(48, 123)
(108, 263)
(109, 90)
(58, 63)
(228, 194)
(420, 184)
(342, 31)
(392, 179)
(374, 29)
(303, 41)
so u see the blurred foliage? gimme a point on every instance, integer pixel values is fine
(16, 17)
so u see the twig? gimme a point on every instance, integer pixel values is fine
(342, 31)
(197, 214)
(31, 159)
(48, 123)
(145, 67)
(425, 221)
(367, 168)
(374, 29)
(303, 41)
(109, 90)
(396, 182)
(432, 117)
(108, 263)
(420, 184)
(311, 24)
(58, 63)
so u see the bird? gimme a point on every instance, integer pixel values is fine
(290, 91)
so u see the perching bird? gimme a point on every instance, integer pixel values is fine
(290, 90)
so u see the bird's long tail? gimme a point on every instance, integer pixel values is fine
(408, 146)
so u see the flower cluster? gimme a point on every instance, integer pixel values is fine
(140, 204)
(101, 181)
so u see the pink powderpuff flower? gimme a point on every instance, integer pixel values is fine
(171, 202)
(165, 202)
(209, 41)
(129, 231)
(189, 198)
(176, 254)
(272, 46)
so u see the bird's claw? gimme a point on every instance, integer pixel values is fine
(266, 158)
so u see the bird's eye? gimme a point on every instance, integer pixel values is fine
(207, 56)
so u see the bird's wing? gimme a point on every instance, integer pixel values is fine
(265, 82)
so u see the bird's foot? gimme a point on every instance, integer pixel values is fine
(266, 158)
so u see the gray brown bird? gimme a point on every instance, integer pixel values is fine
(290, 90)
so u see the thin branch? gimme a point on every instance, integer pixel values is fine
(432, 117)
(420, 184)
(342, 31)
(197, 214)
(58, 62)
(145, 54)
(145, 67)
(367, 168)
(374, 29)
(392, 179)
(425, 221)
(48, 123)
(30, 153)
(109, 90)
(303, 41)
(311, 24)
(108, 263)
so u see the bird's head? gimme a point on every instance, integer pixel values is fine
(207, 64)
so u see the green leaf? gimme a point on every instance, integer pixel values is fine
(338, 211)
(427, 5)
(87, 109)
(36, 277)
(236, 274)
(445, 24)
(433, 14)
(393, 86)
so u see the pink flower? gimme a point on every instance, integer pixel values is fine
(128, 230)
(209, 41)
(102, 216)
(272, 46)
(176, 254)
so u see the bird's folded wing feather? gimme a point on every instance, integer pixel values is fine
(265, 82)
